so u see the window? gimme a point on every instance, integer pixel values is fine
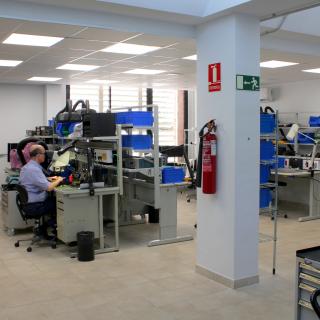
(81, 92)
(121, 97)
(167, 101)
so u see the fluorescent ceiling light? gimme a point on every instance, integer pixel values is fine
(276, 64)
(45, 79)
(317, 70)
(102, 81)
(9, 63)
(78, 67)
(31, 40)
(129, 48)
(144, 71)
(193, 57)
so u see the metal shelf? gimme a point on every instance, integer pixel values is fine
(131, 126)
(268, 185)
(138, 150)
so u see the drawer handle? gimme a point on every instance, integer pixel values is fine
(309, 267)
(306, 287)
(305, 304)
(309, 278)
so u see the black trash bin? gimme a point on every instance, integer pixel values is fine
(85, 245)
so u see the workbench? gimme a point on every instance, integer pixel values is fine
(78, 211)
(314, 205)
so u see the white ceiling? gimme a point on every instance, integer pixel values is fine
(82, 45)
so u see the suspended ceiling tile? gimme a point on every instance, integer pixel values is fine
(149, 40)
(80, 44)
(105, 34)
(148, 59)
(88, 61)
(20, 51)
(9, 25)
(69, 52)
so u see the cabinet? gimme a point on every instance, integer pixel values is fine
(307, 280)
(10, 214)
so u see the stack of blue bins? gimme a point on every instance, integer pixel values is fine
(267, 153)
(136, 119)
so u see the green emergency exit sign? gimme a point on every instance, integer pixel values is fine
(249, 83)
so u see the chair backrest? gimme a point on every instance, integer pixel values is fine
(21, 199)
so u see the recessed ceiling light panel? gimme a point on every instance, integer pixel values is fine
(276, 64)
(31, 40)
(193, 57)
(317, 70)
(78, 67)
(144, 71)
(9, 63)
(44, 79)
(97, 81)
(129, 48)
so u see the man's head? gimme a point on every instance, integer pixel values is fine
(37, 153)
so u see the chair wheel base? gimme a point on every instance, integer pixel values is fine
(17, 244)
(29, 249)
(54, 246)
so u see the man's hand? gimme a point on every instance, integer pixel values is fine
(52, 178)
(55, 183)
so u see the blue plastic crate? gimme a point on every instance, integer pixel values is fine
(314, 121)
(267, 123)
(172, 174)
(267, 150)
(138, 141)
(304, 139)
(265, 197)
(136, 118)
(264, 173)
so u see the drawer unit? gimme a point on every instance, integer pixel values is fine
(307, 280)
(10, 214)
(75, 214)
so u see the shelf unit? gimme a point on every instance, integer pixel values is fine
(154, 151)
(273, 208)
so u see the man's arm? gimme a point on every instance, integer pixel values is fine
(54, 183)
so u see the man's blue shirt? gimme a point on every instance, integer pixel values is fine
(35, 182)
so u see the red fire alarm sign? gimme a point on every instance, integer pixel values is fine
(214, 77)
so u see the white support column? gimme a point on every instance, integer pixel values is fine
(54, 101)
(228, 221)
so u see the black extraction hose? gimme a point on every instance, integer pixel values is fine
(77, 103)
(314, 302)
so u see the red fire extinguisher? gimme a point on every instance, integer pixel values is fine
(208, 156)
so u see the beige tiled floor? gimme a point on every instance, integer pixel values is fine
(147, 283)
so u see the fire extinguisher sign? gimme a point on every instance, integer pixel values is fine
(214, 77)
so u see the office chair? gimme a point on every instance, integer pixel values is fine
(38, 217)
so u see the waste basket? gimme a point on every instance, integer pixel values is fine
(85, 245)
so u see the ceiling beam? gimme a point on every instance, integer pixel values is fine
(12, 9)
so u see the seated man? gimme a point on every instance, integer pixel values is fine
(37, 184)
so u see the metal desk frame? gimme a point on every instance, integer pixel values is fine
(313, 215)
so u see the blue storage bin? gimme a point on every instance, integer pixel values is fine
(267, 123)
(304, 139)
(314, 121)
(264, 173)
(136, 118)
(138, 141)
(172, 174)
(267, 150)
(265, 197)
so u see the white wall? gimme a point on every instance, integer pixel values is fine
(21, 108)
(302, 97)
